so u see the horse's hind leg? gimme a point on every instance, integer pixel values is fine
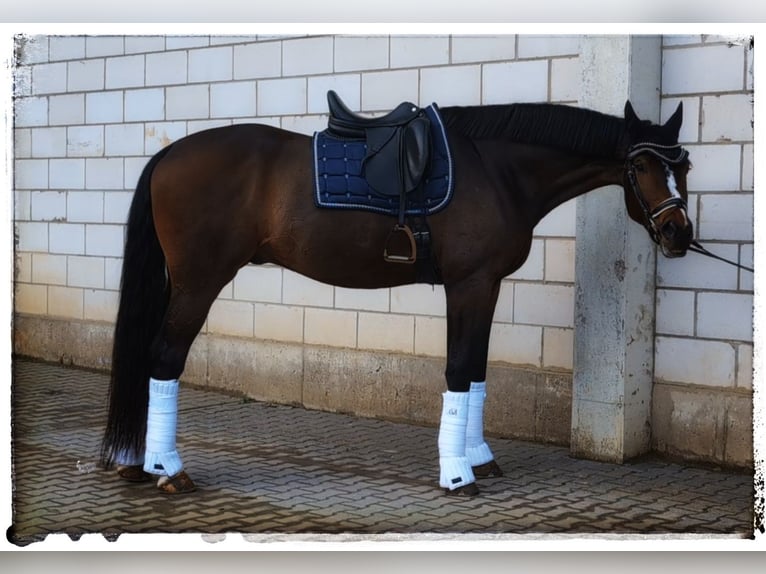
(184, 318)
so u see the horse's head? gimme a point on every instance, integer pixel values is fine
(655, 181)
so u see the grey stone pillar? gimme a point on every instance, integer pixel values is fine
(614, 271)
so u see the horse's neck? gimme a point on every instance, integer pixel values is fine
(552, 177)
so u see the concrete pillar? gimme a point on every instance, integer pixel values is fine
(614, 271)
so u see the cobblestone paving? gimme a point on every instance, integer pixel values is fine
(263, 468)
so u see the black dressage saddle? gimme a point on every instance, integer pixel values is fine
(397, 155)
(398, 143)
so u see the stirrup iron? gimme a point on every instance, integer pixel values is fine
(393, 257)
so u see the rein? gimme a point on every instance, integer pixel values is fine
(668, 154)
(697, 248)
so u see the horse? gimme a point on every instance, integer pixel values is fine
(217, 200)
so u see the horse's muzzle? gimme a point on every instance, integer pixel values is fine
(675, 239)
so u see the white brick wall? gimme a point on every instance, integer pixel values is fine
(91, 111)
(705, 308)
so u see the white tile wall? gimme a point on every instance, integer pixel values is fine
(31, 173)
(715, 167)
(451, 86)
(49, 142)
(362, 299)
(279, 322)
(517, 344)
(235, 99)
(48, 205)
(93, 110)
(675, 312)
(699, 362)
(138, 44)
(49, 269)
(262, 284)
(210, 64)
(414, 51)
(727, 118)
(330, 327)
(31, 112)
(107, 240)
(725, 316)
(103, 173)
(125, 72)
(231, 318)
(347, 86)
(300, 290)
(525, 81)
(384, 90)
(724, 217)
(124, 140)
(49, 78)
(537, 46)
(96, 46)
(688, 70)
(259, 60)
(483, 48)
(85, 206)
(386, 332)
(144, 105)
(66, 109)
(100, 305)
(187, 102)
(103, 107)
(307, 56)
(166, 68)
(66, 47)
(282, 97)
(558, 348)
(85, 75)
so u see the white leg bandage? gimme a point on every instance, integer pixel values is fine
(476, 448)
(454, 466)
(161, 456)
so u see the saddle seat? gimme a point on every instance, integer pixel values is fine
(346, 123)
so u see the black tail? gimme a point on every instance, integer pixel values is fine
(143, 302)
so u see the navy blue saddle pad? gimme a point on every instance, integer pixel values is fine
(340, 184)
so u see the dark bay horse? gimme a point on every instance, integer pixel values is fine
(217, 200)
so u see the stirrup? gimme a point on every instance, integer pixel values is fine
(410, 258)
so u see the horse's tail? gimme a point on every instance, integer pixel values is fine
(143, 302)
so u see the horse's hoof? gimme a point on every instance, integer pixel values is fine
(177, 484)
(466, 491)
(487, 470)
(134, 473)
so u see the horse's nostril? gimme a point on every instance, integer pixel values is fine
(669, 230)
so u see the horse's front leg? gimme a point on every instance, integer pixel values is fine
(463, 452)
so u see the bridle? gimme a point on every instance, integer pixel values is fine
(668, 155)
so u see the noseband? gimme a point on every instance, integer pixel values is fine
(668, 155)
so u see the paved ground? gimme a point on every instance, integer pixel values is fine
(263, 468)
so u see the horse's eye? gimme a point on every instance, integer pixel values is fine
(640, 166)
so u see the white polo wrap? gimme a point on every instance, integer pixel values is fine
(455, 470)
(161, 457)
(476, 448)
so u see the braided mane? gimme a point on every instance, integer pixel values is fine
(568, 128)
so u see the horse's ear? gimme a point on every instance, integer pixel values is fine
(673, 125)
(631, 119)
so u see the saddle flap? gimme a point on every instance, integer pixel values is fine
(416, 150)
